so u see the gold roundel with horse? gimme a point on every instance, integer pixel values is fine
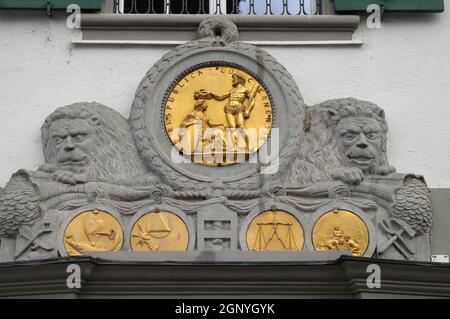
(218, 115)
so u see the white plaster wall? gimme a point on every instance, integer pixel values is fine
(404, 67)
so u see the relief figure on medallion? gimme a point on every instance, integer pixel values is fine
(240, 103)
(340, 241)
(207, 132)
(221, 128)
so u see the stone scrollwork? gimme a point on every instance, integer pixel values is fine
(111, 184)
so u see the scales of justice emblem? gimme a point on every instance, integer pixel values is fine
(218, 115)
(275, 230)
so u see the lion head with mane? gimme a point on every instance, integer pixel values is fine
(90, 142)
(347, 141)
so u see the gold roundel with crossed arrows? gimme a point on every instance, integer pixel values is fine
(218, 115)
(159, 231)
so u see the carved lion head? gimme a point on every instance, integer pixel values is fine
(93, 139)
(344, 133)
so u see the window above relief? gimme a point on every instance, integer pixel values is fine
(172, 22)
(242, 7)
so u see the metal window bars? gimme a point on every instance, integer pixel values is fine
(243, 7)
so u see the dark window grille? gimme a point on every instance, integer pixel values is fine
(244, 7)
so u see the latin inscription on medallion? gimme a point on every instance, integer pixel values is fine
(218, 115)
(341, 230)
(276, 231)
(93, 231)
(160, 231)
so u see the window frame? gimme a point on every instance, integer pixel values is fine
(212, 3)
(221, 7)
(326, 29)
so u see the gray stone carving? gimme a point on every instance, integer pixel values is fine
(347, 144)
(87, 142)
(90, 155)
(218, 28)
(217, 228)
(39, 240)
(335, 149)
(332, 155)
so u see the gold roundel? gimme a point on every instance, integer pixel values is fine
(159, 231)
(93, 230)
(218, 115)
(341, 230)
(275, 231)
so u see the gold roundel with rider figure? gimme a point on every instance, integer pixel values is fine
(218, 115)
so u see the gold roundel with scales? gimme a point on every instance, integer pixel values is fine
(159, 231)
(218, 115)
(275, 230)
(341, 230)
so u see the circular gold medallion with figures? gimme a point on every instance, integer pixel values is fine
(275, 231)
(93, 231)
(341, 230)
(159, 231)
(218, 115)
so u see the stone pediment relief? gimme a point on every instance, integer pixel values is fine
(220, 153)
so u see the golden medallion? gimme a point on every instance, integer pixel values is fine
(275, 231)
(341, 230)
(93, 231)
(160, 231)
(218, 115)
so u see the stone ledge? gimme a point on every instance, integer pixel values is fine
(221, 257)
(343, 278)
(178, 29)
